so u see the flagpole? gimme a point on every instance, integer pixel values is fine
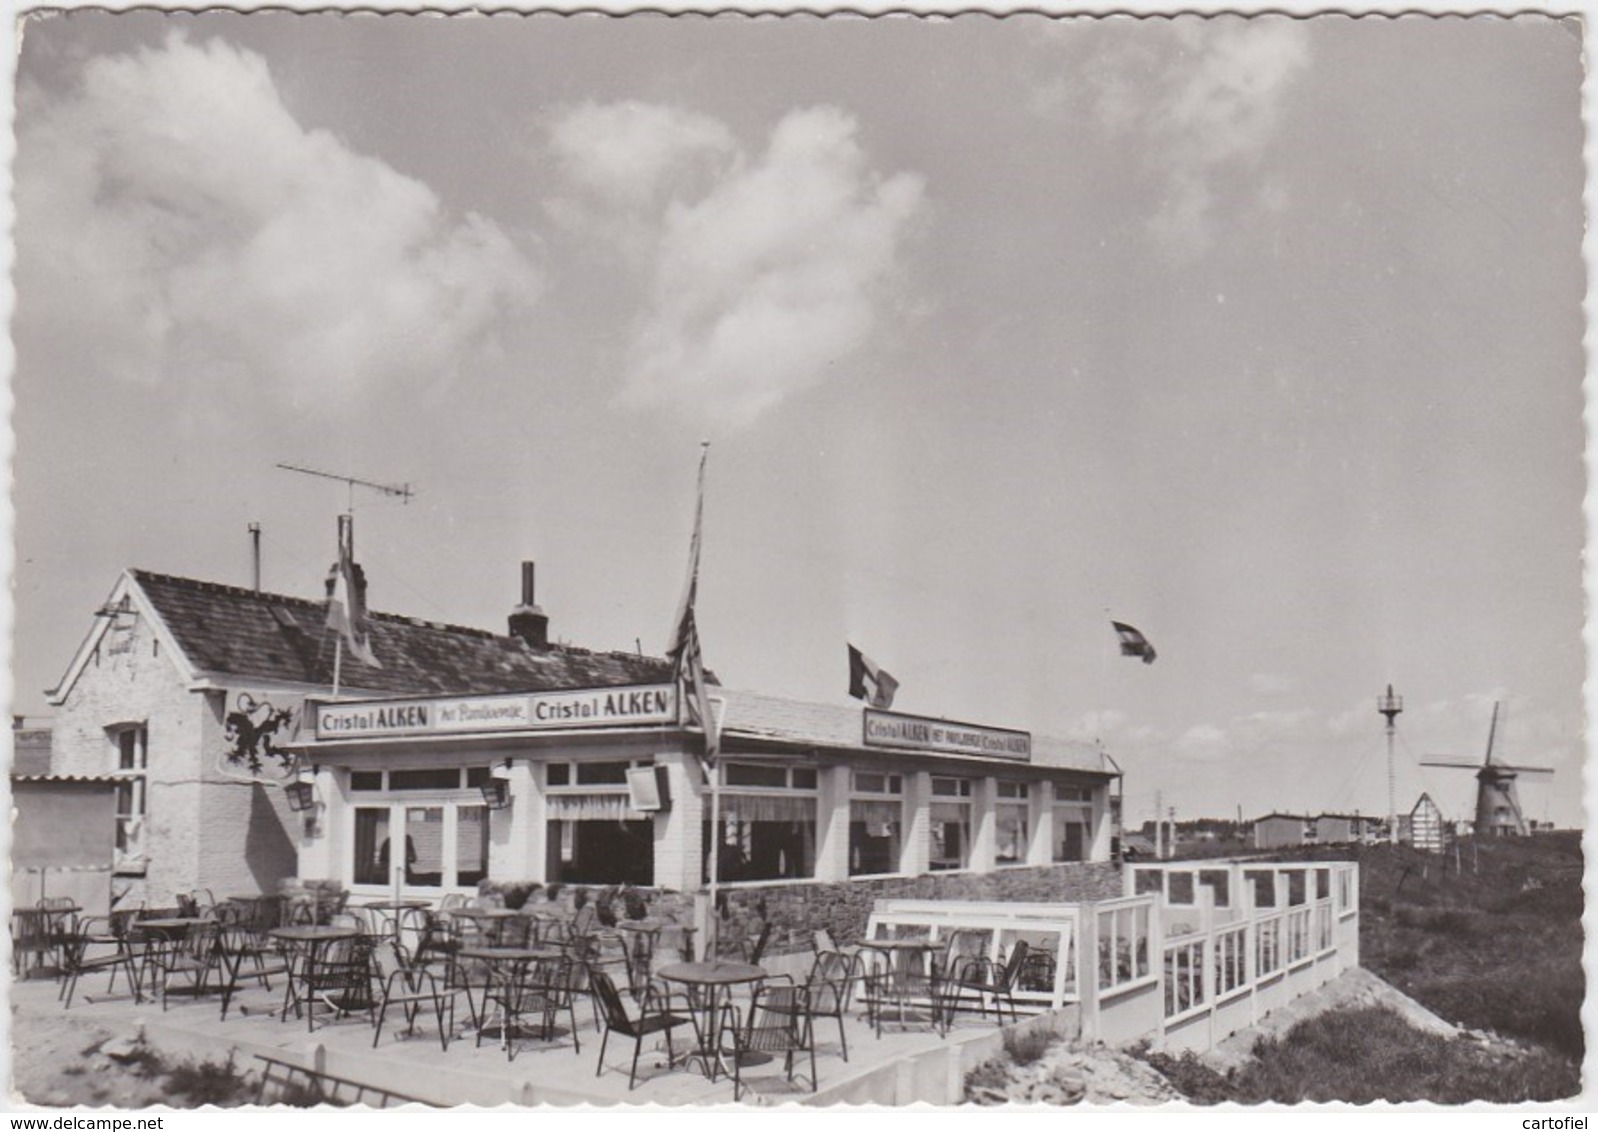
(713, 924)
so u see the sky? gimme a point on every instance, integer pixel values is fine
(1262, 335)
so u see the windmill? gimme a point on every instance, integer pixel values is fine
(1497, 805)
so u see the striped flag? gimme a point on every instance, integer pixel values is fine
(688, 666)
(346, 599)
(1134, 643)
(868, 681)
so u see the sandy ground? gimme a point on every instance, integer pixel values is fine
(63, 1063)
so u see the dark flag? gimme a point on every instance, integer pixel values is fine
(346, 599)
(1134, 643)
(688, 666)
(869, 682)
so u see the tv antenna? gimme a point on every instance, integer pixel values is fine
(402, 491)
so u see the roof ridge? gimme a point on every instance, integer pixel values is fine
(310, 604)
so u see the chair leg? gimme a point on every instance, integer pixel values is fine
(638, 1048)
(600, 1068)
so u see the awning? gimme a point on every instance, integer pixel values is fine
(591, 807)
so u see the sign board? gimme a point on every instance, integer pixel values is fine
(257, 729)
(917, 733)
(646, 705)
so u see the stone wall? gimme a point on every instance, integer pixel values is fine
(796, 908)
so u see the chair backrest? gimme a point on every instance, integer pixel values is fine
(822, 939)
(609, 1000)
(452, 900)
(1013, 965)
(582, 922)
(57, 903)
(759, 950)
(831, 982)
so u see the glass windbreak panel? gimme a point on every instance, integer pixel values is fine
(366, 780)
(1219, 882)
(1146, 881)
(1140, 946)
(471, 844)
(433, 778)
(371, 845)
(1013, 835)
(875, 832)
(1264, 887)
(1041, 963)
(602, 774)
(424, 846)
(1295, 887)
(1179, 889)
(1323, 884)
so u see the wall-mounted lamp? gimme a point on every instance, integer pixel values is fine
(302, 791)
(496, 788)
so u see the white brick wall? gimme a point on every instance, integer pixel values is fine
(200, 830)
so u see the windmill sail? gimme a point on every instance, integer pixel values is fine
(1498, 811)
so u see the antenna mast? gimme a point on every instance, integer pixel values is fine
(402, 491)
(1391, 706)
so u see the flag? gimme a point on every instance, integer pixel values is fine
(1134, 643)
(346, 598)
(867, 681)
(688, 665)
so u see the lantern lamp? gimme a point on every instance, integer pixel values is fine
(496, 788)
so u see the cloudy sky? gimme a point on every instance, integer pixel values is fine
(1262, 335)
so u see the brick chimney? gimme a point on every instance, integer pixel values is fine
(527, 620)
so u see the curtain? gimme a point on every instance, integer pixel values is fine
(591, 807)
(766, 807)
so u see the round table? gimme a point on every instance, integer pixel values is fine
(505, 965)
(313, 937)
(902, 983)
(492, 919)
(717, 979)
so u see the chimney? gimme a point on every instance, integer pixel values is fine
(527, 621)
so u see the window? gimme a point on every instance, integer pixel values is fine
(1123, 945)
(876, 824)
(1012, 823)
(768, 823)
(592, 833)
(1230, 955)
(950, 826)
(1184, 977)
(132, 770)
(444, 830)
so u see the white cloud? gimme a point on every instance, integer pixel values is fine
(1205, 98)
(761, 283)
(628, 152)
(1203, 741)
(176, 222)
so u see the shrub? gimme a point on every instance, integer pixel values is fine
(991, 1074)
(515, 893)
(209, 1082)
(1027, 1046)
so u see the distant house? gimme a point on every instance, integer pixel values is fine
(1282, 831)
(1345, 829)
(1425, 828)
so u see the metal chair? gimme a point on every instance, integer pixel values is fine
(240, 947)
(655, 1016)
(986, 979)
(779, 1021)
(541, 989)
(410, 986)
(341, 979)
(100, 932)
(189, 959)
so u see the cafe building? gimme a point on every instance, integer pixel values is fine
(607, 785)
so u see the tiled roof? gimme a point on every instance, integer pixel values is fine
(227, 631)
(835, 725)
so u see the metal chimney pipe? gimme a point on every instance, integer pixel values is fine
(527, 584)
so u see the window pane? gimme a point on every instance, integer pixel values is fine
(476, 776)
(560, 774)
(804, 778)
(371, 845)
(748, 774)
(424, 846)
(869, 783)
(471, 844)
(874, 837)
(366, 780)
(434, 778)
(602, 774)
